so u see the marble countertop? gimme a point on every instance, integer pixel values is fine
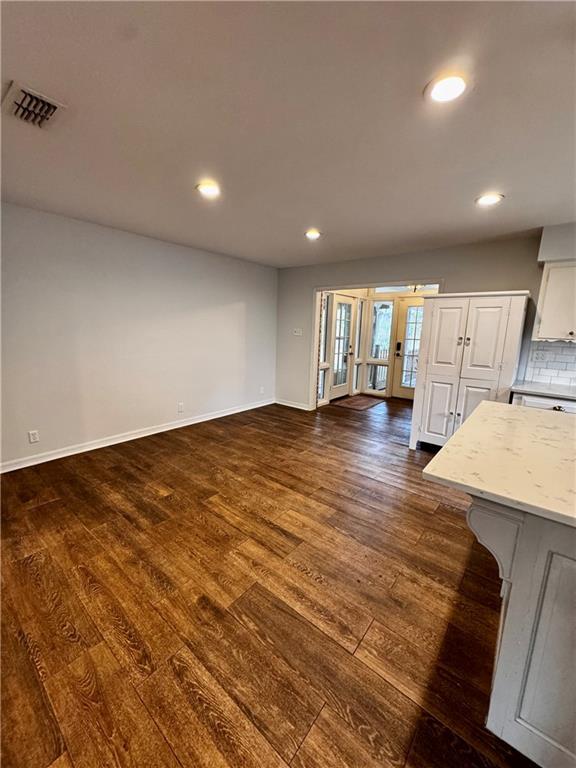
(520, 457)
(546, 390)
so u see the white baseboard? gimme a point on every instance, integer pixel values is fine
(300, 406)
(70, 450)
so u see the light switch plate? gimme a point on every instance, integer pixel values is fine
(297, 331)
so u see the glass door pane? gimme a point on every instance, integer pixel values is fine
(323, 352)
(411, 345)
(381, 330)
(377, 378)
(321, 384)
(341, 342)
(358, 351)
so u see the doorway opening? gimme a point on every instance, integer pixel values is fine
(368, 341)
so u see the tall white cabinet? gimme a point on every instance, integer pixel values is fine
(468, 353)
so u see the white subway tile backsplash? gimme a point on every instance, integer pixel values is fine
(552, 362)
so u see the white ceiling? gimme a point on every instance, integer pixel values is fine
(309, 114)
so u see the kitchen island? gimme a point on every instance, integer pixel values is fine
(519, 466)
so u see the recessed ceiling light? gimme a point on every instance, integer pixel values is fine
(313, 234)
(209, 189)
(489, 199)
(446, 88)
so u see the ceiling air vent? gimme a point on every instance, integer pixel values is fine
(30, 106)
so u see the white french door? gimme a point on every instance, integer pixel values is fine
(368, 344)
(377, 354)
(341, 351)
(407, 346)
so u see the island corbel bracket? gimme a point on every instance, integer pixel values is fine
(497, 529)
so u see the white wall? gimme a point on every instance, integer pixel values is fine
(105, 331)
(492, 266)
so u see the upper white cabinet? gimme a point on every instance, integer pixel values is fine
(447, 336)
(485, 335)
(556, 313)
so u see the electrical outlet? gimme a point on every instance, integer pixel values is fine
(261, 390)
(297, 331)
(33, 436)
(180, 407)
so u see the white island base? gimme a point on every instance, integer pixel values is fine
(519, 466)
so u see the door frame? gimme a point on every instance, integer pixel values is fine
(368, 360)
(348, 386)
(400, 336)
(317, 292)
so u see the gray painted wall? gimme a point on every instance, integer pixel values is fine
(104, 332)
(491, 266)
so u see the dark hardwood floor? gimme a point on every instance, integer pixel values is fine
(275, 587)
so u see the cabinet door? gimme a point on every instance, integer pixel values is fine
(447, 336)
(439, 409)
(556, 315)
(534, 692)
(471, 392)
(485, 336)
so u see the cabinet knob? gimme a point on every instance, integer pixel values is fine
(451, 413)
(460, 340)
(570, 333)
(467, 342)
(458, 414)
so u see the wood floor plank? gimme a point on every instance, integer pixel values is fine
(65, 537)
(135, 632)
(261, 683)
(329, 481)
(436, 746)
(19, 536)
(62, 762)
(114, 728)
(145, 561)
(259, 527)
(381, 716)
(133, 502)
(49, 612)
(222, 580)
(448, 605)
(26, 490)
(447, 645)
(438, 566)
(31, 736)
(202, 532)
(414, 670)
(459, 551)
(331, 743)
(202, 724)
(86, 502)
(318, 602)
(449, 696)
